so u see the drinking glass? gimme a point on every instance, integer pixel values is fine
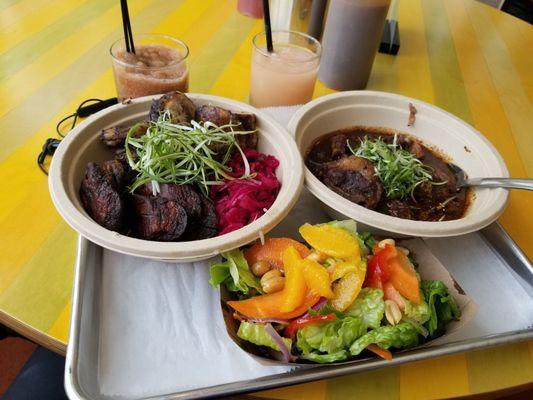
(159, 65)
(286, 76)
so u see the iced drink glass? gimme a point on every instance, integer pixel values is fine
(286, 76)
(159, 65)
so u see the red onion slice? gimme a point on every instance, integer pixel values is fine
(287, 357)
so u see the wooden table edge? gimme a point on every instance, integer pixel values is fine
(33, 334)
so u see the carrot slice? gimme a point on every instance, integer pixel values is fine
(385, 354)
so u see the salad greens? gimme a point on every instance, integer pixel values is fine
(257, 334)
(234, 273)
(442, 306)
(324, 333)
(398, 336)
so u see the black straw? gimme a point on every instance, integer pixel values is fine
(268, 29)
(128, 35)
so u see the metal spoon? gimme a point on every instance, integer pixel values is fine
(509, 183)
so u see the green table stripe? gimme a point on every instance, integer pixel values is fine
(513, 368)
(4, 4)
(218, 52)
(30, 49)
(58, 91)
(382, 384)
(446, 76)
(42, 287)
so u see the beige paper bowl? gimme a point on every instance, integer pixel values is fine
(466, 147)
(83, 145)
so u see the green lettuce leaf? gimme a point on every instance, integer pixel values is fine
(442, 306)
(369, 306)
(326, 358)
(257, 334)
(330, 337)
(398, 336)
(234, 273)
(419, 313)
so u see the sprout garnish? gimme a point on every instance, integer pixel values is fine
(183, 154)
(399, 171)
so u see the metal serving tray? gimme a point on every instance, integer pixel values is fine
(501, 285)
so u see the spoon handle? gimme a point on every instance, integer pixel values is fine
(511, 183)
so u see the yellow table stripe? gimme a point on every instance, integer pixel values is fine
(34, 46)
(219, 51)
(489, 116)
(412, 71)
(516, 40)
(446, 76)
(238, 70)
(59, 58)
(513, 367)
(436, 376)
(509, 87)
(60, 328)
(382, 384)
(40, 18)
(14, 11)
(66, 85)
(51, 262)
(309, 391)
(25, 232)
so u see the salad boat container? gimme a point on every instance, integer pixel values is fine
(488, 265)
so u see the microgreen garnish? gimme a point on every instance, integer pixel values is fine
(399, 171)
(183, 154)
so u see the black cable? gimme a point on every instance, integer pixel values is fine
(51, 144)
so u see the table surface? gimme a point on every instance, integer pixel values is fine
(463, 56)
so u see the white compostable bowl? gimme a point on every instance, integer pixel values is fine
(437, 128)
(83, 145)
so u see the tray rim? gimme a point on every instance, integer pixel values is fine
(496, 237)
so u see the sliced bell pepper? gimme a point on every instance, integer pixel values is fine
(390, 265)
(317, 278)
(299, 323)
(404, 279)
(295, 287)
(268, 306)
(330, 240)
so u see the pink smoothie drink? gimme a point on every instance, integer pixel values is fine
(286, 76)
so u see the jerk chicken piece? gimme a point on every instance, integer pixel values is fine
(101, 195)
(207, 225)
(353, 178)
(157, 218)
(181, 108)
(220, 116)
(115, 136)
(184, 195)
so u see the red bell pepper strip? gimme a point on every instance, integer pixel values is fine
(299, 323)
(378, 269)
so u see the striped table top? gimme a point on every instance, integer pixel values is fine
(471, 60)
